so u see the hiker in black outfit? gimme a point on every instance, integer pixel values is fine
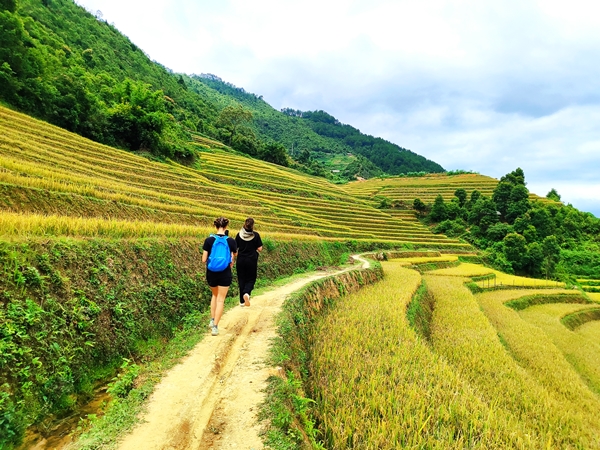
(249, 246)
(218, 281)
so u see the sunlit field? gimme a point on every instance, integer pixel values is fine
(490, 376)
(535, 347)
(427, 259)
(582, 352)
(46, 171)
(392, 391)
(590, 331)
(496, 279)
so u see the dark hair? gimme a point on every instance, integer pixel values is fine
(221, 222)
(249, 224)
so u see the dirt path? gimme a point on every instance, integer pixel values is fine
(210, 400)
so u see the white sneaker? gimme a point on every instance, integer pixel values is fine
(215, 330)
(247, 299)
(211, 323)
(242, 304)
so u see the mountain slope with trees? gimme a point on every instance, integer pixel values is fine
(389, 157)
(65, 65)
(546, 239)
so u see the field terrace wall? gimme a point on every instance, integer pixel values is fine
(71, 309)
(293, 347)
(465, 334)
(578, 318)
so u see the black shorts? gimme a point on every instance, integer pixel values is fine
(219, 278)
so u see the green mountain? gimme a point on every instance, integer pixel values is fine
(321, 134)
(62, 64)
(389, 157)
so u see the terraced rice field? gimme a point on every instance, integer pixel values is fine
(489, 376)
(590, 331)
(590, 285)
(55, 182)
(582, 352)
(427, 259)
(494, 278)
(427, 188)
(393, 391)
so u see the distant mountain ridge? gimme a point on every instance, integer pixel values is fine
(321, 133)
(68, 66)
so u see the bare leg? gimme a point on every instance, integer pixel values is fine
(213, 301)
(220, 302)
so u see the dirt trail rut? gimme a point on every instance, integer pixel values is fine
(210, 400)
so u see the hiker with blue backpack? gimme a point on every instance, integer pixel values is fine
(218, 252)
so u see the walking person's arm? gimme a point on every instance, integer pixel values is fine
(260, 243)
(233, 246)
(205, 248)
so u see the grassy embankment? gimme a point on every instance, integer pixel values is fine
(589, 284)
(485, 278)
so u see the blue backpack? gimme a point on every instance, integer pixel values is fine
(220, 255)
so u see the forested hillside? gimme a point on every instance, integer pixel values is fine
(316, 137)
(519, 231)
(71, 68)
(388, 157)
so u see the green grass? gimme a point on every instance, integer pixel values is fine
(122, 414)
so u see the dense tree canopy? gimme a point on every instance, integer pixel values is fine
(62, 64)
(67, 66)
(538, 239)
(390, 158)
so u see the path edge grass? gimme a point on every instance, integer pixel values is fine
(286, 411)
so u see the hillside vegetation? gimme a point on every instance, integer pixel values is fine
(106, 198)
(521, 232)
(62, 64)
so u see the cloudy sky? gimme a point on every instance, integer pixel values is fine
(476, 85)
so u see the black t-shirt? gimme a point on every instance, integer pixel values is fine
(209, 241)
(247, 249)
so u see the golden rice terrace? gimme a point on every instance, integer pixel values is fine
(55, 182)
